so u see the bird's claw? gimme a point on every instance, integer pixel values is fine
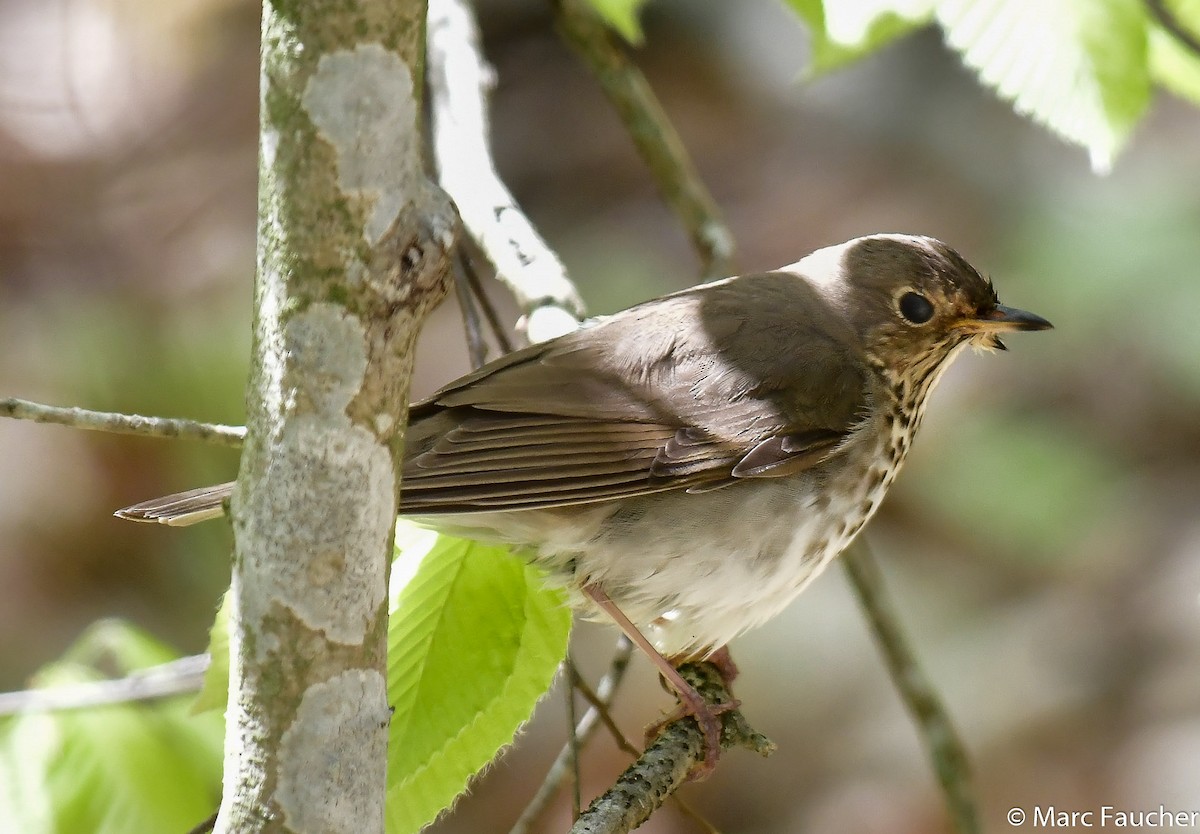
(709, 722)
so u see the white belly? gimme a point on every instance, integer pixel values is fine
(694, 571)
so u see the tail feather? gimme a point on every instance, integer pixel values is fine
(182, 508)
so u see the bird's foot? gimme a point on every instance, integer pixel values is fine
(707, 717)
(691, 702)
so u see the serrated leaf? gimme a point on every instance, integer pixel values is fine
(622, 15)
(1079, 67)
(1173, 64)
(474, 641)
(214, 692)
(843, 31)
(111, 769)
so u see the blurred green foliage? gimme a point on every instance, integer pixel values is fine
(109, 769)
(1031, 489)
(1123, 265)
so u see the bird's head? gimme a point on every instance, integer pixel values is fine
(913, 299)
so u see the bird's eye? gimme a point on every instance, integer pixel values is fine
(916, 307)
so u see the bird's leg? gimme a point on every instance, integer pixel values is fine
(691, 702)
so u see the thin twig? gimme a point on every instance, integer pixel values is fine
(669, 759)
(584, 730)
(695, 816)
(1173, 26)
(626, 746)
(81, 418)
(476, 345)
(573, 681)
(933, 723)
(458, 83)
(178, 677)
(499, 333)
(656, 139)
(600, 705)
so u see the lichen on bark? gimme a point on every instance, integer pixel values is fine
(354, 247)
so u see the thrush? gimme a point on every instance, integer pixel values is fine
(689, 465)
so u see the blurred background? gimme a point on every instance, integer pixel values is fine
(1043, 545)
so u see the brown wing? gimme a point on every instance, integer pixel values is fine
(754, 377)
(747, 378)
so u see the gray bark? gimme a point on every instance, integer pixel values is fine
(353, 250)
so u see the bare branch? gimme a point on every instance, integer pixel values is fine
(178, 677)
(601, 706)
(458, 82)
(606, 690)
(82, 418)
(656, 139)
(477, 348)
(933, 723)
(671, 756)
(499, 332)
(573, 738)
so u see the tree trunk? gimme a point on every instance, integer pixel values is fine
(353, 250)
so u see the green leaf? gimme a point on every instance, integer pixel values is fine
(1173, 64)
(1079, 67)
(113, 769)
(841, 32)
(622, 15)
(474, 641)
(214, 693)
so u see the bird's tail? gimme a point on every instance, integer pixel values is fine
(182, 508)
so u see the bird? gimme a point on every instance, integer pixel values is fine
(687, 466)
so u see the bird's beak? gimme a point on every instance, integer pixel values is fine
(1001, 319)
(985, 329)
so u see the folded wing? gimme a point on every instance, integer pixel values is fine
(695, 391)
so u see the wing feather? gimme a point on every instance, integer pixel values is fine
(751, 377)
(692, 391)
